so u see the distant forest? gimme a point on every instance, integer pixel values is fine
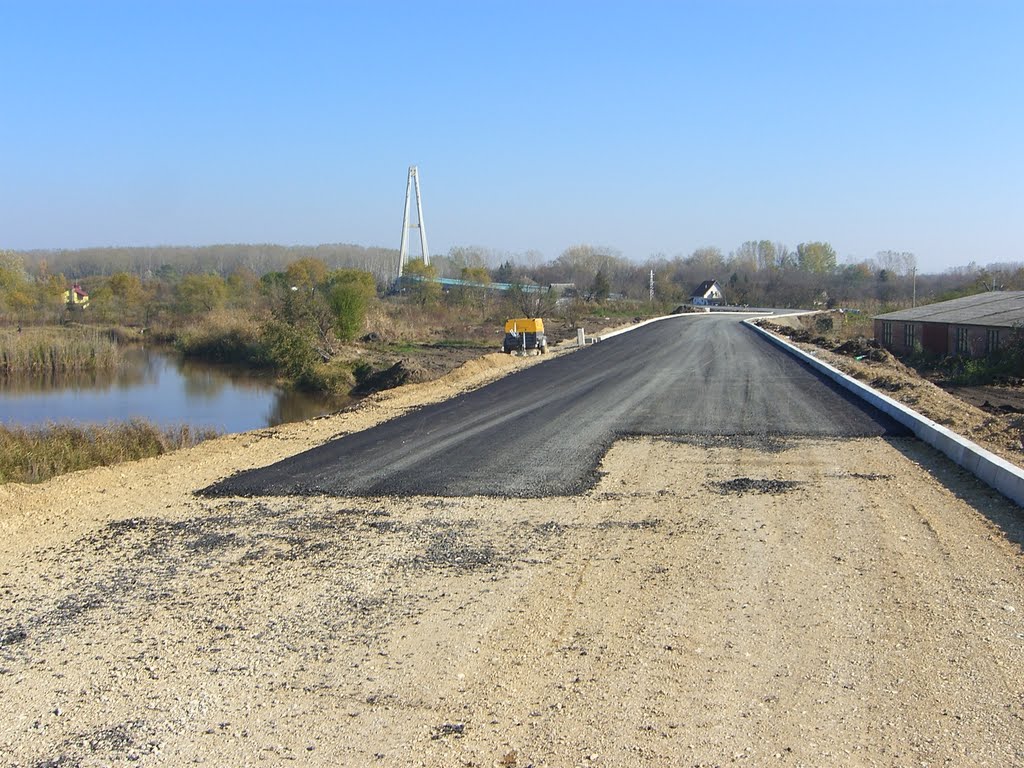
(168, 261)
(756, 273)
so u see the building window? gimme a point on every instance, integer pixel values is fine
(962, 345)
(887, 333)
(992, 340)
(909, 335)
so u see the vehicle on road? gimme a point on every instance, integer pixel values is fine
(525, 333)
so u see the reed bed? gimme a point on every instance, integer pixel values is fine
(35, 454)
(226, 336)
(57, 350)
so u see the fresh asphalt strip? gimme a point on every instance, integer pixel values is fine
(543, 431)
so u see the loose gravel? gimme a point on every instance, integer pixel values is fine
(871, 614)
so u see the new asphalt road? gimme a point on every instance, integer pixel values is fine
(542, 431)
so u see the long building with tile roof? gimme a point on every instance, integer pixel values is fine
(971, 326)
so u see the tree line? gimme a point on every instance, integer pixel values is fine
(140, 286)
(166, 262)
(758, 273)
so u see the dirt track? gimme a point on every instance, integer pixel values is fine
(809, 602)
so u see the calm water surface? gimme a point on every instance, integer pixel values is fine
(162, 388)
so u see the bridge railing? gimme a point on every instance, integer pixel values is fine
(406, 280)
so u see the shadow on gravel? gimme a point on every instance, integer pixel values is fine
(993, 505)
(130, 564)
(130, 741)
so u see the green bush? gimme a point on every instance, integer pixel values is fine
(290, 349)
(1006, 363)
(349, 292)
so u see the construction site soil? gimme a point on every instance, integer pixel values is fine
(712, 601)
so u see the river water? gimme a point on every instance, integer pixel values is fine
(162, 388)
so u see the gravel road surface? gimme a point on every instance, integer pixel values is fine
(777, 600)
(541, 432)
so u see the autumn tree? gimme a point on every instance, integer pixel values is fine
(50, 304)
(293, 294)
(896, 262)
(531, 301)
(580, 263)
(306, 273)
(16, 299)
(707, 261)
(121, 298)
(478, 275)
(816, 257)
(243, 288)
(421, 282)
(461, 257)
(475, 293)
(199, 294)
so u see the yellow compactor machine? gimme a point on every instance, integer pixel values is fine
(524, 333)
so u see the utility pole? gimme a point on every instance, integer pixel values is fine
(652, 286)
(913, 271)
(403, 255)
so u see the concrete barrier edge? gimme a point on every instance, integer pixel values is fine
(992, 470)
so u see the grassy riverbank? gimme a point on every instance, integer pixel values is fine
(57, 350)
(32, 455)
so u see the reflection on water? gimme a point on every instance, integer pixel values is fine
(162, 388)
(136, 374)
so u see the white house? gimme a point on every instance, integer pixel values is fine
(708, 294)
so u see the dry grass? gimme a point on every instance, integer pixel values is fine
(850, 326)
(57, 350)
(224, 336)
(833, 325)
(398, 322)
(31, 455)
(389, 323)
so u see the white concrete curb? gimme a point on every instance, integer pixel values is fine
(986, 466)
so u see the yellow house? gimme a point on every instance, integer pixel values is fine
(76, 297)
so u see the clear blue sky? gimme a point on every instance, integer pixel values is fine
(645, 126)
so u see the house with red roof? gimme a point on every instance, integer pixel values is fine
(76, 297)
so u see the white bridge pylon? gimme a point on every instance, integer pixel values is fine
(403, 256)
